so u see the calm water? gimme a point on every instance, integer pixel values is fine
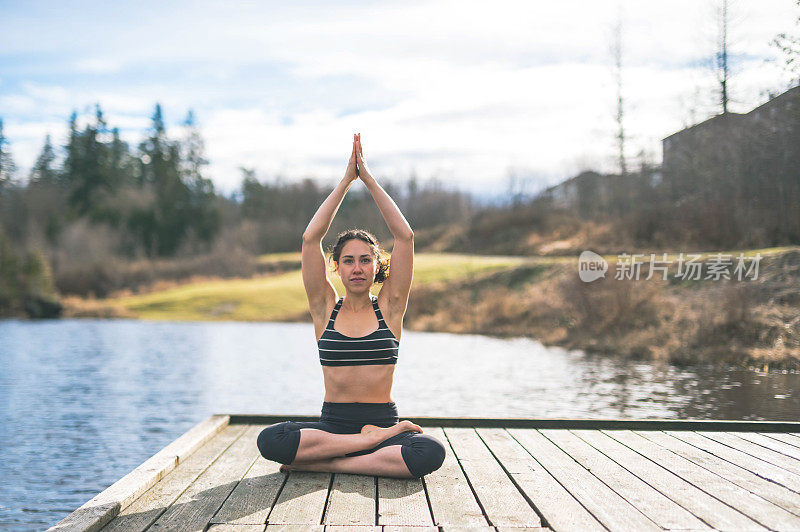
(82, 402)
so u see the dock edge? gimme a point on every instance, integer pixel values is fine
(556, 423)
(103, 507)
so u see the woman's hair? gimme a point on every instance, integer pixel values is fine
(369, 238)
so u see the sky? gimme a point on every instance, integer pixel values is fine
(467, 93)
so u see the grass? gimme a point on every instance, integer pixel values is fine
(282, 297)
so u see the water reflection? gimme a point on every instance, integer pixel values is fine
(82, 402)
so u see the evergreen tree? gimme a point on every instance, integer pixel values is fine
(154, 152)
(253, 195)
(161, 168)
(87, 168)
(43, 171)
(204, 216)
(7, 167)
(72, 150)
(120, 162)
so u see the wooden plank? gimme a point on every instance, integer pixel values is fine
(725, 481)
(500, 499)
(196, 506)
(352, 500)
(554, 423)
(785, 438)
(107, 504)
(353, 528)
(302, 499)
(743, 460)
(760, 452)
(558, 508)
(399, 528)
(236, 528)
(295, 528)
(252, 499)
(480, 529)
(402, 501)
(770, 443)
(451, 499)
(653, 504)
(525, 529)
(603, 503)
(711, 483)
(149, 507)
(657, 474)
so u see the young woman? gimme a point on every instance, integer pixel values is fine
(358, 338)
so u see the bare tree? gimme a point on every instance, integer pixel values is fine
(722, 55)
(790, 46)
(616, 50)
(727, 19)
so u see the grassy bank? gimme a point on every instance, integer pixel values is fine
(273, 297)
(749, 322)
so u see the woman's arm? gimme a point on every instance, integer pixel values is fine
(391, 212)
(319, 289)
(321, 221)
(397, 286)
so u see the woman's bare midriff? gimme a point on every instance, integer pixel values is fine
(358, 384)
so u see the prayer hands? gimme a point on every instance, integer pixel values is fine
(361, 165)
(351, 174)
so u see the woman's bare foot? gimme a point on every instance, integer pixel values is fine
(316, 465)
(376, 434)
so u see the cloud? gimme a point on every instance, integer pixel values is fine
(460, 90)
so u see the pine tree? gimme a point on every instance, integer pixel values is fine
(120, 162)
(72, 150)
(43, 172)
(7, 167)
(90, 177)
(204, 216)
(160, 168)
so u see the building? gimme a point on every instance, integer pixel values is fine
(720, 137)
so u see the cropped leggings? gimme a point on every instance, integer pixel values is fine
(421, 453)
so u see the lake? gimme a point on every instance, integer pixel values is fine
(83, 402)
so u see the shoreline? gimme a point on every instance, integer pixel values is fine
(750, 323)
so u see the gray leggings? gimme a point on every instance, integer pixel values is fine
(421, 453)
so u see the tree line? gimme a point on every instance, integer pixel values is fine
(98, 206)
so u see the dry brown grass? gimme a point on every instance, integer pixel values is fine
(78, 307)
(743, 323)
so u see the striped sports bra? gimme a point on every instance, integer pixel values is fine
(378, 347)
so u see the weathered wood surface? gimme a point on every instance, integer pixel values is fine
(107, 504)
(493, 479)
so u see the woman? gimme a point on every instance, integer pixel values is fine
(358, 338)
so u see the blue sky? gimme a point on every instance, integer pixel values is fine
(467, 92)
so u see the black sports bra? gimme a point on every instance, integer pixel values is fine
(378, 347)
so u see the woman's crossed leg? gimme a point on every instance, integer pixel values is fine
(397, 451)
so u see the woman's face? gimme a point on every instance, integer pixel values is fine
(356, 265)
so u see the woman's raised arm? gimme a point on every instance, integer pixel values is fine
(321, 221)
(391, 212)
(397, 286)
(319, 289)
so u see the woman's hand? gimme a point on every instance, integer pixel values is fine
(363, 171)
(351, 174)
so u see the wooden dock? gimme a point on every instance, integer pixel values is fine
(499, 475)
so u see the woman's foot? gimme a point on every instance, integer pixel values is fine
(376, 434)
